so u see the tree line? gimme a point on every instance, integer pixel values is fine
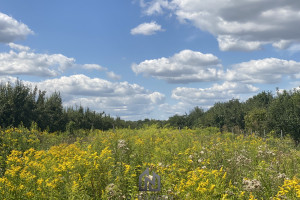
(22, 105)
(261, 113)
(264, 112)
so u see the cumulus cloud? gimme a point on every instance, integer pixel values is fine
(154, 7)
(11, 29)
(146, 29)
(268, 70)
(208, 96)
(113, 76)
(93, 67)
(183, 67)
(116, 98)
(190, 66)
(26, 62)
(8, 79)
(238, 24)
(18, 47)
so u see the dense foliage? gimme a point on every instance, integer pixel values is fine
(261, 114)
(20, 104)
(265, 112)
(192, 164)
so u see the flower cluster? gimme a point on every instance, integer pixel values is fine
(192, 164)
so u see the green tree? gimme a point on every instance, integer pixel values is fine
(178, 121)
(261, 100)
(256, 120)
(195, 117)
(54, 113)
(17, 104)
(284, 114)
(227, 115)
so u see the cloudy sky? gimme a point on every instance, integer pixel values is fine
(151, 58)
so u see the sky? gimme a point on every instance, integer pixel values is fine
(138, 59)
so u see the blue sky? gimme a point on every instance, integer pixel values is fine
(151, 58)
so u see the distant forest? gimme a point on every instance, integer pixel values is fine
(263, 113)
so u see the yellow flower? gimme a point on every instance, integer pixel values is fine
(127, 168)
(224, 196)
(29, 194)
(75, 186)
(21, 187)
(290, 188)
(40, 181)
(252, 197)
(242, 193)
(224, 176)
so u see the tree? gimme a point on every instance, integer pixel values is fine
(178, 121)
(54, 113)
(40, 111)
(225, 115)
(256, 120)
(261, 100)
(17, 104)
(195, 117)
(284, 113)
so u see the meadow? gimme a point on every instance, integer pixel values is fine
(192, 164)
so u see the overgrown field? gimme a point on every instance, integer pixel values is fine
(192, 164)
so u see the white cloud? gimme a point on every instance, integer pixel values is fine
(26, 62)
(116, 98)
(154, 7)
(93, 67)
(23, 61)
(113, 76)
(238, 24)
(6, 79)
(11, 29)
(208, 96)
(189, 66)
(110, 74)
(166, 110)
(146, 29)
(18, 47)
(268, 70)
(183, 67)
(227, 42)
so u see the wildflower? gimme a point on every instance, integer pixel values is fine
(252, 197)
(121, 144)
(127, 168)
(29, 194)
(251, 185)
(290, 188)
(224, 176)
(242, 193)
(40, 181)
(281, 176)
(242, 160)
(111, 189)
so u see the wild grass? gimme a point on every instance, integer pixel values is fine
(192, 164)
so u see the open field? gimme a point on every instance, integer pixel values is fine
(192, 164)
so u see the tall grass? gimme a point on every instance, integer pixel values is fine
(192, 164)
